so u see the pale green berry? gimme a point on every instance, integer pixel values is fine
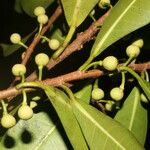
(15, 38)
(139, 43)
(39, 11)
(18, 69)
(41, 59)
(42, 19)
(104, 4)
(54, 44)
(97, 94)
(117, 93)
(144, 98)
(110, 63)
(132, 51)
(25, 112)
(8, 121)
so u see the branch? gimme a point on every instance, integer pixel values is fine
(76, 75)
(76, 45)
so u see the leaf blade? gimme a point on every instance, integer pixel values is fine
(50, 137)
(131, 115)
(124, 19)
(76, 10)
(67, 118)
(96, 125)
(85, 93)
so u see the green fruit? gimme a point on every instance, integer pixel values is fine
(54, 44)
(41, 59)
(116, 94)
(18, 69)
(15, 38)
(25, 112)
(39, 11)
(132, 51)
(42, 19)
(139, 43)
(97, 94)
(8, 121)
(110, 63)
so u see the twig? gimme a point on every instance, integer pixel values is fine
(76, 45)
(76, 75)
(140, 67)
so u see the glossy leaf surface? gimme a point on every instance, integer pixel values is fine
(77, 10)
(101, 131)
(125, 17)
(62, 105)
(134, 116)
(38, 133)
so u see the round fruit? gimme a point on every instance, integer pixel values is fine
(25, 112)
(117, 93)
(132, 51)
(54, 44)
(18, 69)
(8, 121)
(104, 4)
(15, 38)
(110, 63)
(97, 94)
(139, 43)
(42, 19)
(39, 11)
(41, 59)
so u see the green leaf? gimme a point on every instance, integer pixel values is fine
(29, 5)
(85, 93)
(62, 105)
(77, 10)
(8, 49)
(38, 133)
(102, 132)
(134, 116)
(125, 17)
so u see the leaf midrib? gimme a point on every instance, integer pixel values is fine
(75, 14)
(46, 136)
(134, 111)
(82, 110)
(112, 27)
